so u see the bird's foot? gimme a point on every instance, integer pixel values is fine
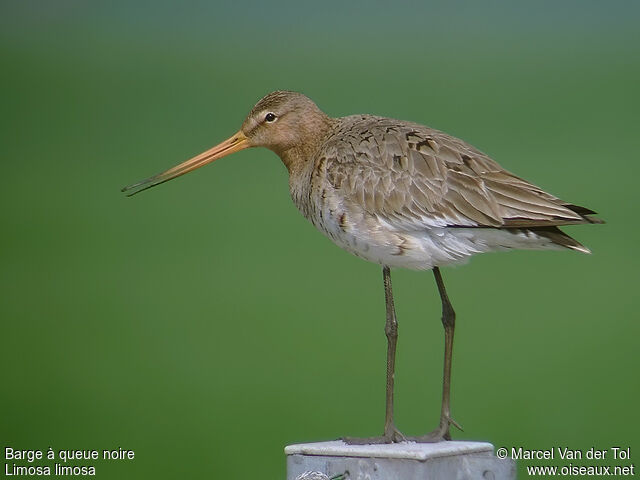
(391, 435)
(440, 434)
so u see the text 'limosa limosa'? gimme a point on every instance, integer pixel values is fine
(401, 195)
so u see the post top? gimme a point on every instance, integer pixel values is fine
(406, 450)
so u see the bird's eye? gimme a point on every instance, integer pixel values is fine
(270, 117)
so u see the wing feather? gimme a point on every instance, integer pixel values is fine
(414, 177)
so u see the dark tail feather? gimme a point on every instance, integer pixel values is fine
(584, 212)
(558, 237)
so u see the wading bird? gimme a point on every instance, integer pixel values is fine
(401, 195)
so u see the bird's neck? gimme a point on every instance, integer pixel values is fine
(298, 157)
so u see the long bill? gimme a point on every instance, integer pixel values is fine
(233, 144)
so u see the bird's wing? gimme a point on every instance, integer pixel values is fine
(412, 176)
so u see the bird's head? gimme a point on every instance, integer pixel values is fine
(280, 121)
(283, 120)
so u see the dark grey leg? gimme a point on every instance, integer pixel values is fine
(391, 433)
(391, 331)
(449, 323)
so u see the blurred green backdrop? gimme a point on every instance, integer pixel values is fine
(206, 313)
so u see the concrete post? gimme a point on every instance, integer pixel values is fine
(398, 461)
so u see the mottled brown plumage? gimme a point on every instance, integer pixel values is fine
(399, 194)
(414, 177)
(426, 177)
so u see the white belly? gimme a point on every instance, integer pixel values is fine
(422, 250)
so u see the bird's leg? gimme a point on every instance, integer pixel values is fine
(449, 323)
(391, 433)
(391, 331)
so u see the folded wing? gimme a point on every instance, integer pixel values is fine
(414, 177)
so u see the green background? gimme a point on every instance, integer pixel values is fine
(205, 324)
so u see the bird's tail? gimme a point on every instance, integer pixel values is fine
(558, 237)
(584, 212)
